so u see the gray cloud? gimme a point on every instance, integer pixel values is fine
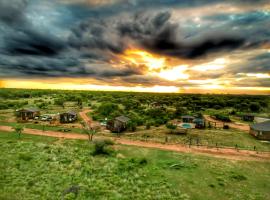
(92, 36)
(12, 11)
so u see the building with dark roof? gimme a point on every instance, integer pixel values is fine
(68, 117)
(261, 130)
(199, 122)
(187, 119)
(248, 117)
(119, 124)
(27, 113)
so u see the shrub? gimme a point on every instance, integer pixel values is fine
(101, 147)
(25, 157)
(223, 118)
(148, 126)
(171, 126)
(238, 177)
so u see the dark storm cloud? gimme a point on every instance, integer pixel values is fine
(29, 42)
(159, 35)
(20, 36)
(11, 11)
(96, 34)
(87, 35)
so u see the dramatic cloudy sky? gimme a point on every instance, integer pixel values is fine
(136, 45)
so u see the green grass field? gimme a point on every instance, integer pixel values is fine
(35, 167)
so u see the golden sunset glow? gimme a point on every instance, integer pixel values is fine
(217, 64)
(158, 46)
(176, 73)
(139, 57)
(205, 86)
(156, 66)
(258, 75)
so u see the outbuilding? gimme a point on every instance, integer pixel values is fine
(27, 113)
(261, 130)
(199, 123)
(118, 125)
(68, 117)
(248, 117)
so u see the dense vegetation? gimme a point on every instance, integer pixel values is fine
(34, 167)
(149, 109)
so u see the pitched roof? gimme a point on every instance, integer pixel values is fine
(198, 120)
(123, 119)
(264, 126)
(71, 112)
(29, 109)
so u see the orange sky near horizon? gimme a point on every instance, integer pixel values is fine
(170, 70)
(65, 84)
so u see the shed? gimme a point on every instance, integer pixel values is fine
(261, 130)
(187, 119)
(68, 117)
(119, 124)
(199, 123)
(248, 117)
(27, 113)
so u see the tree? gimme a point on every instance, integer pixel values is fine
(132, 125)
(90, 130)
(60, 102)
(80, 102)
(18, 129)
(106, 109)
(254, 106)
(171, 127)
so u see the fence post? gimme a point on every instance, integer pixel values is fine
(166, 139)
(255, 149)
(236, 147)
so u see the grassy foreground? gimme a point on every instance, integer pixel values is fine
(35, 167)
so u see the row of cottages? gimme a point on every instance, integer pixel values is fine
(261, 130)
(32, 113)
(118, 124)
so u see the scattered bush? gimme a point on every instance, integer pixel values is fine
(101, 147)
(25, 157)
(238, 177)
(222, 117)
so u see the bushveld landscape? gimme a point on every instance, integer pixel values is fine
(134, 100)
(148, 160)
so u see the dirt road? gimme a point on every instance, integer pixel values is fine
(242, 127)
(220, 153)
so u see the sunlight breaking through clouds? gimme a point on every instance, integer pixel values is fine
(136, 44)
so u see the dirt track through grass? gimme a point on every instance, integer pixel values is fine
(222, 153)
